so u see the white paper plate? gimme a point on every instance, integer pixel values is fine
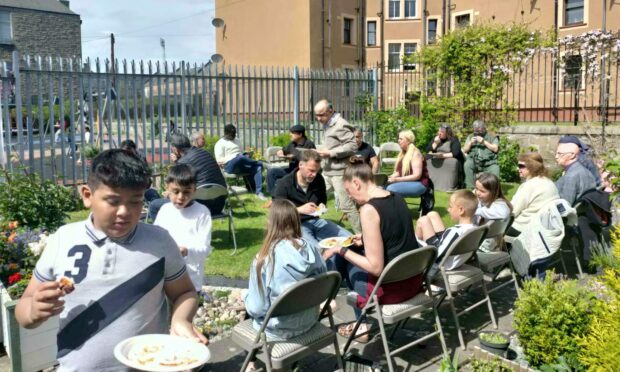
(127, 352)
(319, 211)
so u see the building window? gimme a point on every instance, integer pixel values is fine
(462, 20)
(5, 27)
(432, 31)
(409, 50)
(371, 33)
(572, 72)
(348, 25)
(394, 9)
(573, 12)
(410, 8)
(394, 56)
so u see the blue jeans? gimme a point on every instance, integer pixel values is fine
(273, 175)
(407, 189)
(316, 229)
(244, 165)
(355, 278)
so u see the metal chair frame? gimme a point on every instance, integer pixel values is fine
(210, 191)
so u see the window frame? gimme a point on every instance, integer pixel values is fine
(368, 22)
(390, 53)
(10, 38)
(415, 9)
(409, 66)
(401, 52)
(397, 9)
(352, 32)
(428, 21)
(562, 15)
(580, 77)
(566, 10)
(347, 31)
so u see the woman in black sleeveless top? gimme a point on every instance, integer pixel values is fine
(387, 231)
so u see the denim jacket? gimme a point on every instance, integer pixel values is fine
(291, 266)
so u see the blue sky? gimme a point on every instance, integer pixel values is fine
(138, 26)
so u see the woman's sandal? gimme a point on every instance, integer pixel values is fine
(346, 330)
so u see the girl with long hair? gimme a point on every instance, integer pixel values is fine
(410, 177)
(284, 259)
(492, 205)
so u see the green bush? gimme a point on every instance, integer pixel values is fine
(281, 140)
(210, 143)
(90, 151)
(507, 159)
(550, 318)
(387, 124)
(33, 202)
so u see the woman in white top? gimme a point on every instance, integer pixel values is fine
(228, 155)
(536, 191)
(492, 205)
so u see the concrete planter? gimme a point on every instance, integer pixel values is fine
(485, 355)
(29, 350)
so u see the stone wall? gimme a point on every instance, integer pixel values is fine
(545, 138)
(43, 33)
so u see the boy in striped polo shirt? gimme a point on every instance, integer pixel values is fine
(123, 272)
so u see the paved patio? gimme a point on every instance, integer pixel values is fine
(227, 356)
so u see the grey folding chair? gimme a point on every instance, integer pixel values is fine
(493, 262)
(303, 295)
(405, 266)
(211, 191)
(463, 277)
(235, 190)
(272, 160)
(388, 147)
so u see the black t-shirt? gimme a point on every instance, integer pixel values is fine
(207, 169)
(293, 147)
(366, 151)
(287, 188)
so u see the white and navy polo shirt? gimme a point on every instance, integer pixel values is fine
(119, 289)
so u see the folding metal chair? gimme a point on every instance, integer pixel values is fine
(493, 262)
(272, 160)
(388, 147)
(235, 190)
(465, 276)
(211, 191)
(405, 266)
(303, 295)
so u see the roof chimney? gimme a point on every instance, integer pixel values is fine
(64, 2)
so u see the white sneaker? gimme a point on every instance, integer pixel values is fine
(261, 196)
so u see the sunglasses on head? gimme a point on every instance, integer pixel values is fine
(521, 166)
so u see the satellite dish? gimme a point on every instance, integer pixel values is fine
(217, 58)
(217, 22)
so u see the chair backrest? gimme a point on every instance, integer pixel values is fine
(408, 265)
(210, 191)
(466, 243)
(270, 154)
(377, 149)
(498, 227)
(389, 147)
(306, 294)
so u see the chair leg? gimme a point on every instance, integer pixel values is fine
(338, 356)
(384, 340)
(352, 336)
(248, 359)
(231, 229)
(442, 340)
(456, 321)
(489, 305)
(577, 260)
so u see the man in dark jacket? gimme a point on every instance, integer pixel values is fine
(207, 171)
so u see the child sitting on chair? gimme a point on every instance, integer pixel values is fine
(284, 259)
(430, 228)
(492, 205)
(187, 221)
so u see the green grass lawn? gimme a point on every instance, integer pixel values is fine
(250, 232)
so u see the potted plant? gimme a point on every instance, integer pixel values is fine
(28, 349)
(494, 342)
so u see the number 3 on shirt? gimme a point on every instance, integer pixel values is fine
(80, 263)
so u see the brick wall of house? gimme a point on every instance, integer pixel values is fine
(44, 33)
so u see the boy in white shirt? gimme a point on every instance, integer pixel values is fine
(187, 221)
(430, 228)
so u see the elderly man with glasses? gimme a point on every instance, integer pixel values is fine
(576, 180)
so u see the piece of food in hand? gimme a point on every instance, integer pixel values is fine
(66, 284)
(348, 241)
(330, 243)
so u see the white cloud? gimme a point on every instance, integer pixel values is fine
(138, 26)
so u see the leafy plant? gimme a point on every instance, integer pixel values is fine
(387, 124)
(599, 347)
(495, 365)
(280, 140)
(449, 365)
(17, 290)
(33, 202)
(210, 143)
(493, 337)
(550, 318)
(507, 158)
(90, 151)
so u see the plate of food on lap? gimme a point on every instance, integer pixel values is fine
(336, 241)
(161, 353)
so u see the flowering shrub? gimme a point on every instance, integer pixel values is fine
(19, 250)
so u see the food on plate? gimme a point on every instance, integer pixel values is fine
(331, 242)
(66, 284)
(156, 355)
(348, 241)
